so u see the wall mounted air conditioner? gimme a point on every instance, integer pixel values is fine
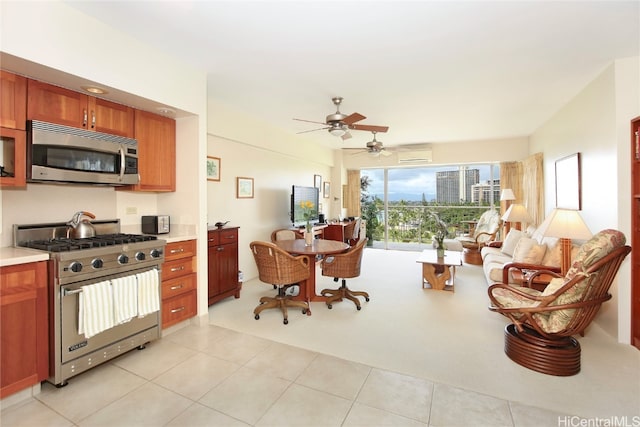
(423, 155)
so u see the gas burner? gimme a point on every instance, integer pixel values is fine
(63, 244)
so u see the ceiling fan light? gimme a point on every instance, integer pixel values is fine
(337, 131)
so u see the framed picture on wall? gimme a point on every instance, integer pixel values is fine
(327, 189)
(317, 181)
(244, 187)
(213, 168)
(568, 183)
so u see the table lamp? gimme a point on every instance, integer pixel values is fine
(517, 214)
(507, 196)
(565, 224)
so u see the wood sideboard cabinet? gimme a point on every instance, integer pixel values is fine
(223, 264)
(24, 326)
(179, 283)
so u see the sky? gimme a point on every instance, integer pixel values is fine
(411, 183)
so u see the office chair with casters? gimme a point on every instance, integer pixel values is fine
(277, 267)
(540, 336)
(344, 266)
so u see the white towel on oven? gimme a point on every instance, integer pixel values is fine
(95, 312)
(125, 298)
(148, 292)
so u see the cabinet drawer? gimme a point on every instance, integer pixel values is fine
(177, 268)
(213, 238)
(228, 236)
(177, 286)
(178, 308)
(176, 250)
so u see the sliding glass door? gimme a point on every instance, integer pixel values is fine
(399, 203)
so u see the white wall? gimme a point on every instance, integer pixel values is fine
(596, 124)
(275, 160)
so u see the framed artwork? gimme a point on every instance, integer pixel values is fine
(327, 189)
(244, 187)
(568, 183)
(213, 168)
(317, 181)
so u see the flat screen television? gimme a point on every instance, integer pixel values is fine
(301, 194)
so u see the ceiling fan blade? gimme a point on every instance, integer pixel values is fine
(386, 153)
(369, 128)
(346, 136)
(312, 130)
(310, 121)
(352, 118)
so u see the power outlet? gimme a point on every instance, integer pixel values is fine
(131, 210)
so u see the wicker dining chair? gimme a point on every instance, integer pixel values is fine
(277, 267)
(344, 266)
(540, 336)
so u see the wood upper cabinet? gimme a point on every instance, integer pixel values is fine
(54, 104)
(24, 326)
(13, 101)
(156, 136)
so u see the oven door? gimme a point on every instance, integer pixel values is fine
(74, 345)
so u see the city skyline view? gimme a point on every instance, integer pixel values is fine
(409, 184)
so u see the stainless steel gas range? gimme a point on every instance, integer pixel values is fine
(108, 257)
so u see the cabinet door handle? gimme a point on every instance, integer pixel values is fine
(637, 145)
(176, 310)
(211, 240)
(177, 268)
(173, 288)
(85, 117)
(220, 249)
(93, 119)
(177, 251)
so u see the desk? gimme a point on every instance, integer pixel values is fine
(319, 247)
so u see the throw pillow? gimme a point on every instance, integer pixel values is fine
(510, 241)
(553, 256)
(528, 250)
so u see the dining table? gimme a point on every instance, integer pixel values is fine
(317, 247)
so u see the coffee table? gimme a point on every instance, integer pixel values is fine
(437, 272)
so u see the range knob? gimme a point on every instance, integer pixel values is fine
(97, 263)
(140, 256)
(75, 266)
(155, 253)
(123, 259)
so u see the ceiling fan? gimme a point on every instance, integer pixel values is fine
(339, 124)
(374, 148)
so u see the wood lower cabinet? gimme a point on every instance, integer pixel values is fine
(24, 327)
(179, 283)
(54, 104)
(223, 264)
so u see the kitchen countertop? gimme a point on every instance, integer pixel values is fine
(13, 256)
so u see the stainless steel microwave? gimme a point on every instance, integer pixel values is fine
(64, 154)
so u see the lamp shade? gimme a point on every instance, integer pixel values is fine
(517, 213)
(337, 130)
(507, 194)
(565, 223)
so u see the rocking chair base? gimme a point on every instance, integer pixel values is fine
(552, 357)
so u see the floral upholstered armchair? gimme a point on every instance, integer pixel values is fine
(544, 322)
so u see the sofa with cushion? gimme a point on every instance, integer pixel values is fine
(523, 250)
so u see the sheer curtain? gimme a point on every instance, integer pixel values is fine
(526, 179)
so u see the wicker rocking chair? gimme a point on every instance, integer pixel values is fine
(277, 267)
(544, 323)
(344, 266)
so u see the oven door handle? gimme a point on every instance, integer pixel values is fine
(72, 292)
(122, 162)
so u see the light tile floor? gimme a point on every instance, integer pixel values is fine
(212, 376)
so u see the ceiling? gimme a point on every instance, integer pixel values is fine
(433, 71)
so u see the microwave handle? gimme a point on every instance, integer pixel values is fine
(122, 162)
